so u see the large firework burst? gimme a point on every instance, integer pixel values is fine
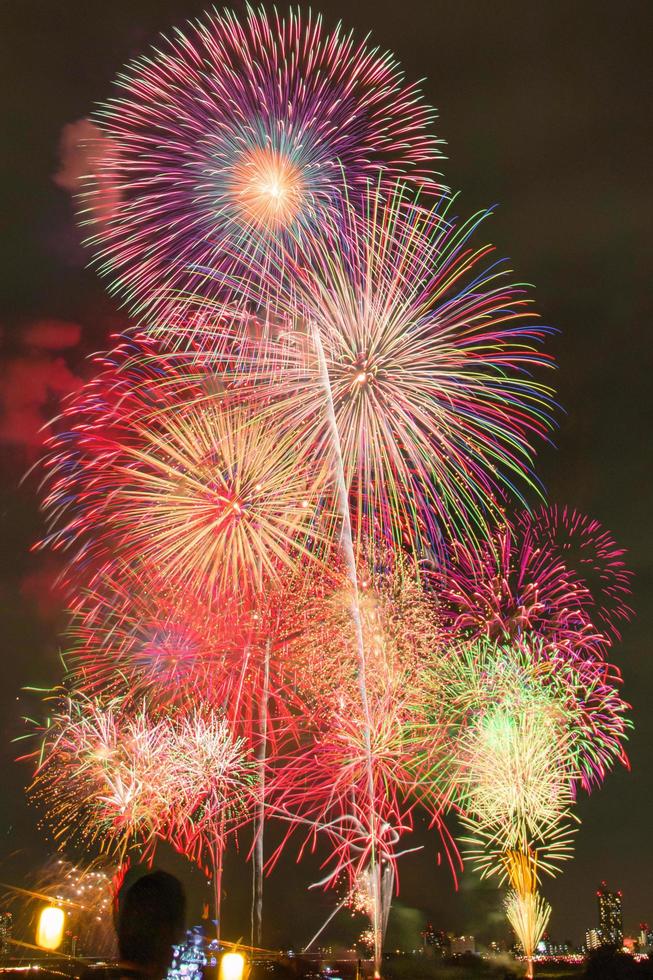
(236, 135)
(426, 353)
(209, 495)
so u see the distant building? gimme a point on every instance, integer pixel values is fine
(546, 947)
(462, 944)
(611, 924)
(592, 939)
(6, 924)
(645, 939)
(437, 942)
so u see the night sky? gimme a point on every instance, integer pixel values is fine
(541, 103)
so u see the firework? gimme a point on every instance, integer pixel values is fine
(353, 783)
(208, 495)
(123, 779)
(399, 625)
(581, 697)
(527, 725)
(234, 135)
(101, 779)
(527, 912)
(425, 352)
(511, 586)
(514, 770)
(515, 766)
(216, 498)
(295, 592)
(217, 785)
(354, 793)
(591, 554)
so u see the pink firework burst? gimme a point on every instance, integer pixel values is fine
(592, 557)
(512, 585)
(237, 135)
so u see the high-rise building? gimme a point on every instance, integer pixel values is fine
(611, 926)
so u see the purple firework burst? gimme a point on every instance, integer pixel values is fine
(225, 139)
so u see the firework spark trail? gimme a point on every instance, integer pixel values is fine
(258, 851)
(347, 542)
(526, 910)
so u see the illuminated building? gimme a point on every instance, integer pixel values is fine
(611, 927)
(645, 938)
(6, 922)
(438, 942)
(592, 939)
(462, 944)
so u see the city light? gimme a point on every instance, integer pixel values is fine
(232, 966)
(49, 932)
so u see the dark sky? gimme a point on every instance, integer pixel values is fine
(542, 104)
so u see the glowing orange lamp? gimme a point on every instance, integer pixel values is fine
(49, 931)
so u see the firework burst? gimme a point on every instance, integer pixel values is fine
(510, 587)
(122, 779)
(591, 555)
(209, 495)
(102, 780)
(425, 352)
(217, 785)
(587, 718)
(235, 136)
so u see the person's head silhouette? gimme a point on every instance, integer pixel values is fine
(151, 915)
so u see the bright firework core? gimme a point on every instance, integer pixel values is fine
(267, 187)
